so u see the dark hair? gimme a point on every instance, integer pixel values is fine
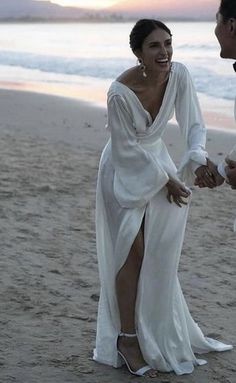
(142, 29)
(228, 9)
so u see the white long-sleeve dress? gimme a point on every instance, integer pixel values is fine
(134, 169)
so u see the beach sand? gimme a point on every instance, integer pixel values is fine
(49, 285)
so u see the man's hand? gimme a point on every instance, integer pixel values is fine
(208, 176)
(231, 172)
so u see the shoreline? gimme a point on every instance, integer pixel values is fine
(96, 96)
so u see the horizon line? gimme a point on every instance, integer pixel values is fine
(105, 18)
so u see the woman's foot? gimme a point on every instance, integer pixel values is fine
(129, 348)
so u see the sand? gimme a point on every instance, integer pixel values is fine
(49, 285)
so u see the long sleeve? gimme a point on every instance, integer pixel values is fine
(221, 169)
(221, 166)
(189, 117)
(138, 175)
(231, 155)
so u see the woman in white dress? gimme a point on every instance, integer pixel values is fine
(141, 213)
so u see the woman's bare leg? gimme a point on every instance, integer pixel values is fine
(127, 283)
(126, 289)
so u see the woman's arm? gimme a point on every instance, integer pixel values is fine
(189, 117)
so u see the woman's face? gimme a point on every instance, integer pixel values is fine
(157, 51)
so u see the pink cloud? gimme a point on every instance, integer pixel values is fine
(168, 7)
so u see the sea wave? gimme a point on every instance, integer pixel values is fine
(93, 67)
(202, 47)
(206, 80)
(213, 84)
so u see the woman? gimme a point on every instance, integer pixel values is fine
(142, 207)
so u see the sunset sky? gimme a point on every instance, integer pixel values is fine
(99, 4)
(95, 4)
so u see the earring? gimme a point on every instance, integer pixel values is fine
(142, 67)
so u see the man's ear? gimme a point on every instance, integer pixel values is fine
(232, 26)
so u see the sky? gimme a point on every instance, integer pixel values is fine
(134, 4)
(95, 4)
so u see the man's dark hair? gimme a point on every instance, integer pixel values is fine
(142, 29)
(228, 9)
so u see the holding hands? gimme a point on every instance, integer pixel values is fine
(208, 176)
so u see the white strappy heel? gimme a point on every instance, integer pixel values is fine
(141, 371)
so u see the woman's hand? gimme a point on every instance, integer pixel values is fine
(176, 193)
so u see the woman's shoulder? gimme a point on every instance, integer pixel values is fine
(128, 77)
(123, 84)
(116, 90)
(117, 94)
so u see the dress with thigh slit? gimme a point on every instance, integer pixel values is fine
(134, 168)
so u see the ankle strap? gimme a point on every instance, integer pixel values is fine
(128, 335)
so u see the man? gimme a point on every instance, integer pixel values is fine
(225, 32)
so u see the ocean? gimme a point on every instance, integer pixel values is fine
(81, 59)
